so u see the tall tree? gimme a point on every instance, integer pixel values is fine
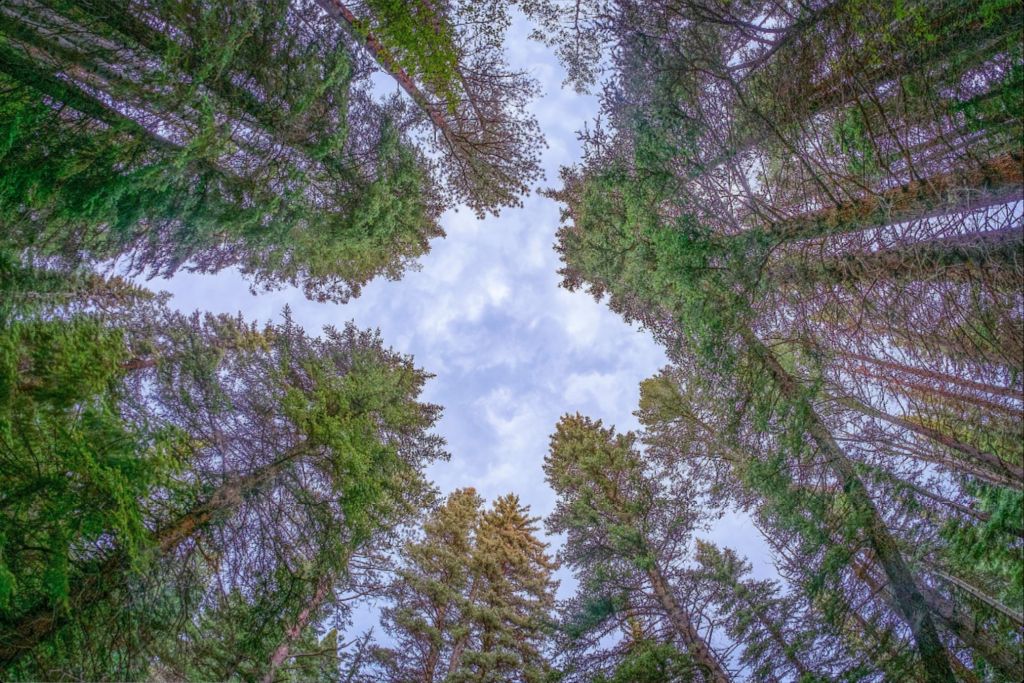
(184, 134)
(724, 170)
(299, 452)
(449, 59)
(472, 598)
(626, 534)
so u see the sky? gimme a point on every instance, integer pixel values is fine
(511, 351)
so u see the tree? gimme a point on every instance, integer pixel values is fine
(299, 453)
(692, 211)
(77, 470)
(183, 134)
(471, 599)
(625, 535)
(448, 58)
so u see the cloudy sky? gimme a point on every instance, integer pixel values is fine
(511, 350)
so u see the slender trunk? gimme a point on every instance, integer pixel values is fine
(1015, 473)
(910, 388)
(837, 90)
(967, 511)
(24, 70)
(948, 462)
(253, 113)
(769, 625)
(292, 633)
(1014, 615)
(966, 629)
(993, 182)
(695, 644)
(33, 629)
(910, 602)
(932, 375)
(960, 257)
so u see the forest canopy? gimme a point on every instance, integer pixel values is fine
(816, 209)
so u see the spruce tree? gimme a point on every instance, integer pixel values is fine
(472, 598)
(720, 171)
(626, 534)
(294, 453)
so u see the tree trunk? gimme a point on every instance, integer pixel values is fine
(910, 602)
(934, 376)
(302, 620)
(911, 388)
(952, 619)
(994, 182)
(459, 647)
(960, 257)
(1014, 615)
(1015, 473)
(339, 11)
(978, 515)
(680, 621)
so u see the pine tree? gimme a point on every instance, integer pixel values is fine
(626, 533)
(472, 598)
(298, 452)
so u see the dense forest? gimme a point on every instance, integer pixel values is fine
(815, 206)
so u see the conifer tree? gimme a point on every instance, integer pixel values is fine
(722, 170)
(183, 134)
(295, 453)
(449, 59)
(626, 533)
(472, 598)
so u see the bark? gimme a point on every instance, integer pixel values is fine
(932, 375)
(24, 70)
(292, 633)
(994, 182)
(967, 511)
(339, 11)
(459, 647)
(695, 644)
(776, 634)
(909, 600)
(911, 388)
(1014, 615)
(1014, 473)
(796, 105)
(958, 258)
(118, 15)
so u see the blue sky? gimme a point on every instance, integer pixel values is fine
(511, 350)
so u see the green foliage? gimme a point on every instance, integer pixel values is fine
(472, 597)
(76, 473)
(853, 140)
(422, 41)
(302, 205)
(652, 662)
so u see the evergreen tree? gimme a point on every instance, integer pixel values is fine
(449, 59)
(722, 170)
(472, 598)
(626, 536)
(232, 135)
(299, 452)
